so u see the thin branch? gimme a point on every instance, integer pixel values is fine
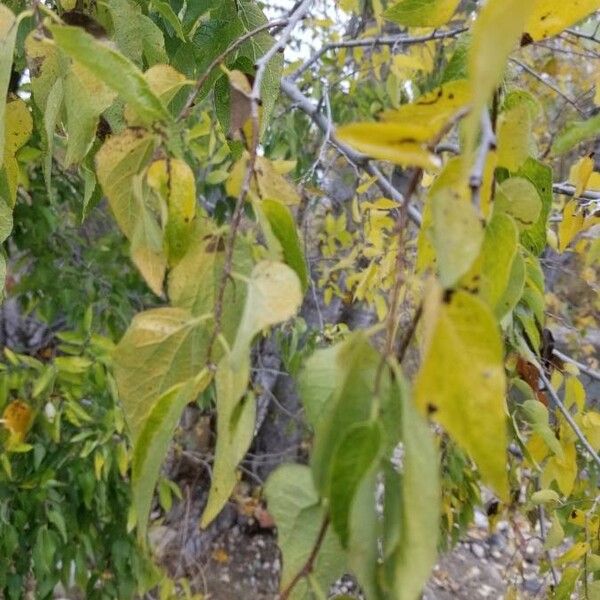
(568, 417)
(568, 189)
(488, 143)
(356, 159)
(582, 367)
(548, 84)
(395, 40)
(310, 562)
(584, 36)
(543, 535)
(187, 107)
(255, 101)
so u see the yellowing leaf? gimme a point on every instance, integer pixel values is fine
(514, 130)
(495, 33)
(371, 139)
(562, 469)
(147, 243)
(174, 180)
(17, 131)
(573, 223)
(113, 68)
(518, 198)
(550, 17)
(461, 382)
(581, 173)
(165, 82)
(421, 13)
(8, 36)
(17, 418)
(86, 97)
(457, 234)
(120, 159)
(267, 183)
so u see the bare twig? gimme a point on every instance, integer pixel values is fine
(543, 535)
(395, 40)
(185, 111)
(255, 101)
(568, 189)
(488, 143)
(356, 159)
(310, 562)
(568, 417)
(582, 367)
(548, 84)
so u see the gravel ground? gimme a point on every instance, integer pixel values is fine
(244, 563)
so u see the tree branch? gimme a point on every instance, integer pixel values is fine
(488, 143)
(354, 158)
(185, 111)
(582, 367)
(261, 66)
(568, 417)
(395, 40)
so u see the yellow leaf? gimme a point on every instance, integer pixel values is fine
(457, 234)
(573, 222)
(119, 160)
(563, 469)
(434, 109)
(581, 173)
(550, 17)
(421, 13)
(174, 181)
(17, 131)
(407, 154)
(267, 183)
(514, 130)
(495, 34)
(17, 418)
(461, 382)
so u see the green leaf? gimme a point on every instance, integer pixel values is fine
(317, 381)
(114, 69)
(575, 133)
(514, 136)
(147, 242)
(283, 227)
(540, 175)
(365, 534)
(461, 382)
(273, 296)
(8, 37)
(236, 416)
(350, 403)
(153, 441)
(118, 161)
(162, 348)
(420, 508)
(421, 13)
(294, 504)
(6, 220)
(168, 14)
(51, 115)
(86, 97)
(514, 288)
(355, 455)
(518, 198)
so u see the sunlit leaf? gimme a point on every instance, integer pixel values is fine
(8, 36)
(518, 198)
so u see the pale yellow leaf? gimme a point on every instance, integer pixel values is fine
(461, 382)
(550, 17)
